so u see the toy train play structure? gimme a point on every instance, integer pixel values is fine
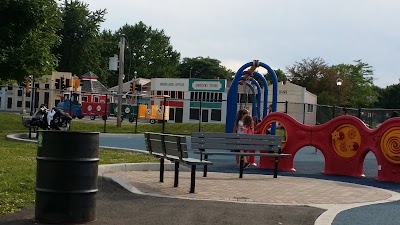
(344, 141)
(152, 111)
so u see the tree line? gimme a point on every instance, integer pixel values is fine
(39, 36)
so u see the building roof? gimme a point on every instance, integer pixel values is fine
(90, 84)
(126, 87)
(89, 75)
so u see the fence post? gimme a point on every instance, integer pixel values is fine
(105, 114)
(70, 103)
(286, 106)
(200, 116)
(163, 115)
(137, 112)
(333, 111)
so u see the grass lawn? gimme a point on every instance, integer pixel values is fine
(18, 159)
(171, 128)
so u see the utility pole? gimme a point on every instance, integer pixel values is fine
(32, 93)
(120, 78)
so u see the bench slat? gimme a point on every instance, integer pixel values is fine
(156, 146)
(235, 147)
(249, 141)
(240, 136)
(243, 153)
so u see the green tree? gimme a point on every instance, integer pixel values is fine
(204, 68)
(79, 51)
(308, 73)
(150, 53)
(28, 32)
(390, 97)
(361, 92)
(279, 74)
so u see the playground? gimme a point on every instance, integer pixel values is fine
(344, 141)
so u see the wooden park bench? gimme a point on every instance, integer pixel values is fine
(207, 144)
(173, 148)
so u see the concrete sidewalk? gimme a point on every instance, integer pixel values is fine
(332, 196)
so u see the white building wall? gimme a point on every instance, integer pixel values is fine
(298, 99)
(20, 102)
(159, 85)
(2, 98)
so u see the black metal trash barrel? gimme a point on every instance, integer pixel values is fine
(66, 177)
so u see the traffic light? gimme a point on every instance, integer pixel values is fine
(57, 83)
(69, 83)
(28, 84)
(133, 87)
(77, 84)
(138, 88)
(62, 79)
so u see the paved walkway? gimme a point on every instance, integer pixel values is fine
(258, 189)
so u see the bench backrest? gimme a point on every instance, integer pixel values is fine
(166, 144)
(232, 141)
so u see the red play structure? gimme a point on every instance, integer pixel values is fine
(344, 141)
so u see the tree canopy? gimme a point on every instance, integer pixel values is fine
(320, 78)
(79, 51)
(204, 68)
(28, 33)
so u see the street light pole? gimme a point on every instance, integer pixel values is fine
(190, 76)
(339, 83)
(120, 78)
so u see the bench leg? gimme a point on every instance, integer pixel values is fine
(193, 179)
(176, 174)
(276, 167)
(241, 167)
(161, 169)
(205, 166)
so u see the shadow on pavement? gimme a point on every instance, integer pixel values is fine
(116, 205)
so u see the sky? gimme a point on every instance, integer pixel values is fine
(276, 32)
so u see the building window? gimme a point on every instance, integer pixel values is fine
(27, 104)
(36, 100)
(96, 98)
(84, 98)
(310, 108)
(208, 97)
(180, 95)
(166, 93)
(194, 114)
(173, 94)
(46, 98)
(19, 103)
(47, 86)
(159, 92)
(191, 96)
(250, 98)
(216, 114)
(19, 92)
(36, 85)
(10, 88)
(27, 94)
(9, 103)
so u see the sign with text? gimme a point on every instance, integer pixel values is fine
(207, 85)
(172, 84)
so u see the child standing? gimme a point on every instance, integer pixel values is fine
(238, 127)
(248, 128)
